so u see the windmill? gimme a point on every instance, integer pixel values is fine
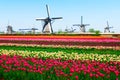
(82, 26)
(107, 29)
(10, 29)
(47, 27)
(70, 30)
(32, 30)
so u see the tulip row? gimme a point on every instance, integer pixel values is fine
(62, 46)
(50, 49)
(19, 68)
(60, 42)
(51, 36)
(62, 55)
(67, 39)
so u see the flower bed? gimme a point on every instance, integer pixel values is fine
(59, 58)
(63, 55)
(62, 42)
(66, 50)
(50, 36)
(62, 46)
(18, 68)
(63, 38)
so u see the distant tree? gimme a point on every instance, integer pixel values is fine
(17, 32)
(91, 30)
(97, 32)
(113, 32)
(60, 31)
(1, 32)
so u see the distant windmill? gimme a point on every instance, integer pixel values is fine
(9, 29)
(107, 29)
(32, 29)
(82, 26)
(47, 27)
(70, 30)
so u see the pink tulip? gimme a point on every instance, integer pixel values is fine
(76, 77)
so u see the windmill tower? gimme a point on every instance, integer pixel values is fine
(82, 26)
(47, 26)
(9, 29)
(107, 29)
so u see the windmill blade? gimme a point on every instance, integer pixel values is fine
(47, 11)
(86, 24)
(81, 20)
(46, 23)
(42, 19)
(43, 28)
(76, 25)
(24, 29)
(110, 27)
(107, 24)
(72, 28)
(34, 29)
(57, 18)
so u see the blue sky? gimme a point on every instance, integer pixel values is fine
(22, 13)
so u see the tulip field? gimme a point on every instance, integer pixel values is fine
(52, 57)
